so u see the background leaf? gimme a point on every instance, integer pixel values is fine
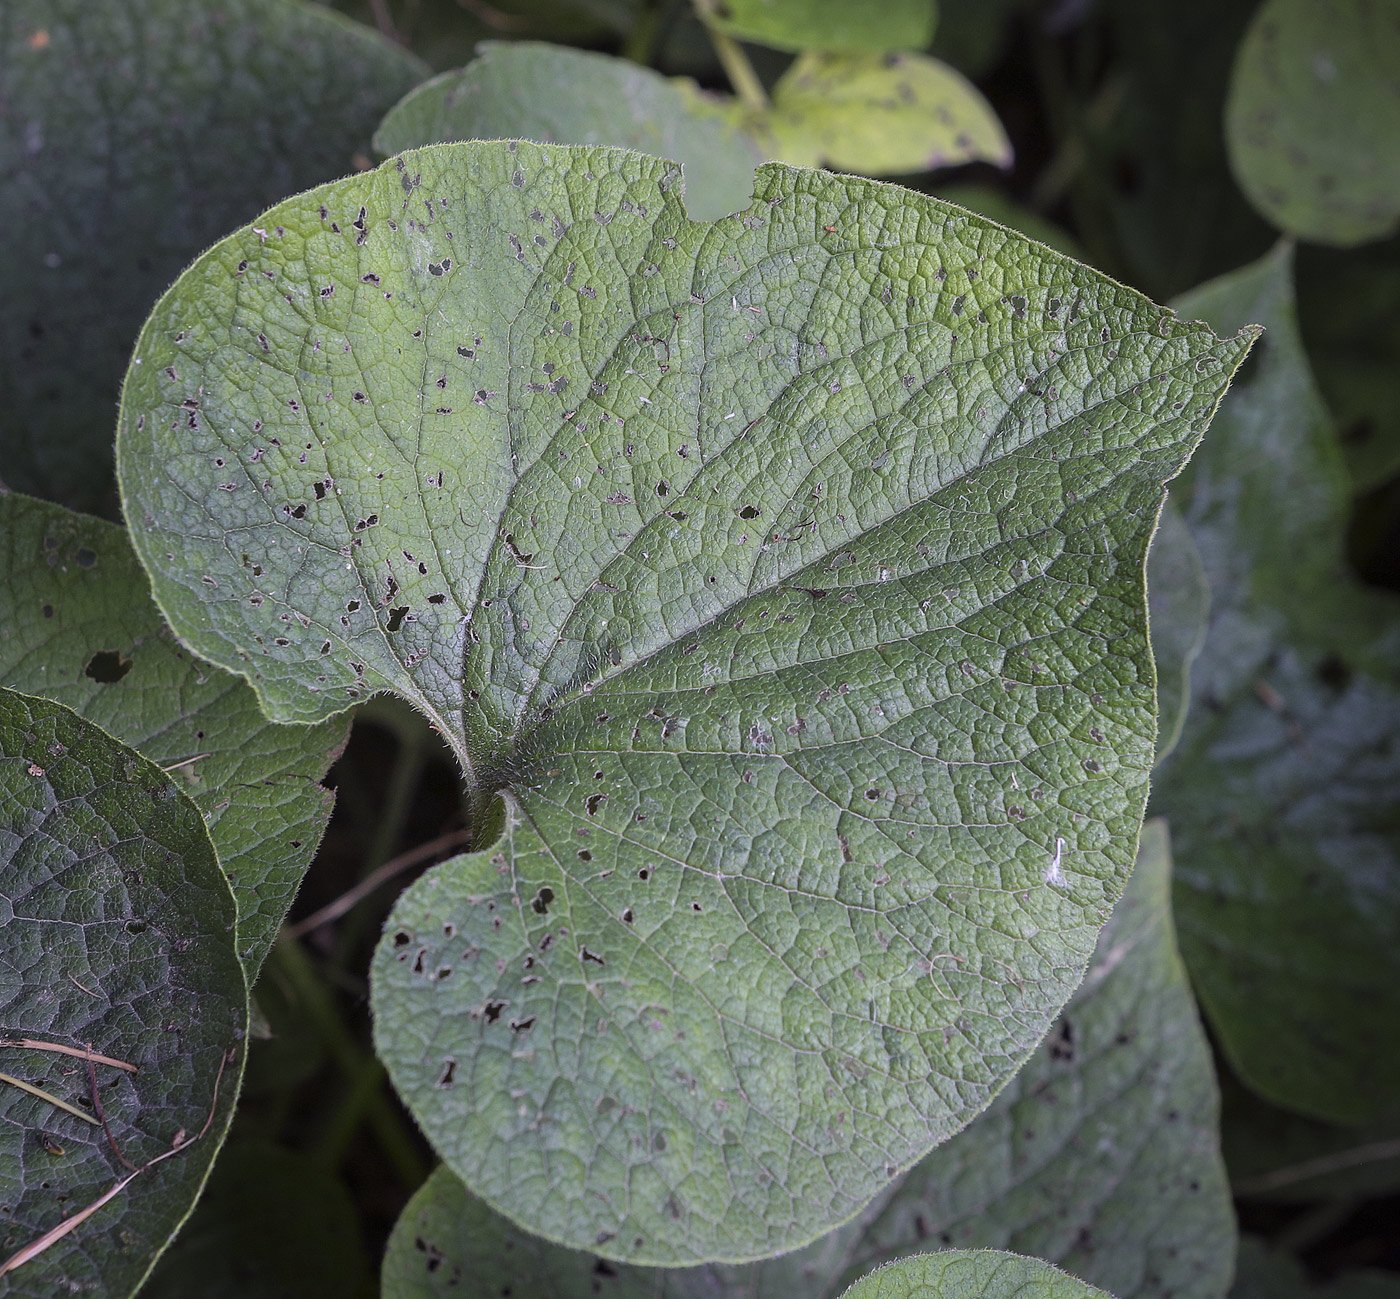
(135, 133)
(1101, 1155)
(1178, 596)
(118, 932)
(272, 1224)
(1281, 791)
(556, 95)
(77, 625)
(834, 26)
(968, 1274)
(879, 115)
(715, 578)
(1313, 115)
(1268, 1275)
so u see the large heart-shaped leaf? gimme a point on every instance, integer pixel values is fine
(1281, 792)
(121, 1000)
(1101, 1155)
(1313, 116)
(971, 1274)
(557, 95)
(779, 585)
(77, 625)
(133, 133)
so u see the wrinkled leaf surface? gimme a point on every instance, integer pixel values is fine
(779, 586)
(970, 1274)
(118, 933)
(1101, 1155)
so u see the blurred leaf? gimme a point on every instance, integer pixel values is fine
(972, 35)
(1101, 1155)
(1274, 1154)
(832, 26)
(779, 586)
(271, 1225)
(1178, 599)
(879, 115)
(1264, 1274)
(77, 624)
(118, 933)
(1281, 792)
(134, 133)
(1347, 312)
(1155, 168)
(556, 95)
(1313, 118)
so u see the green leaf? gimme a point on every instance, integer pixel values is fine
(1264, 1274)
(778, 584)
(1178, 597)
(556, 95)
(1313, 115)
(879, 115)
(1113, 1121)
(135, 133)
(1281, 792)
(995, 205)
(77, 625)
(970, 1274)
(118, 932)
(835, 26)
(272, 1223)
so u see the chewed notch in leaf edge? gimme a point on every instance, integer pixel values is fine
(778, 582)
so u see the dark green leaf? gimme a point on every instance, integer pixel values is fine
(77, 625)
(273, 1224)
(561, 96)
(833, 26)
(1281, 793)
(133, 134)
(778, 584)
(1101, 1155)
(118, 933)
(1313, 117)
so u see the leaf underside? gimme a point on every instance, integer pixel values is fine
(118, 933)
(781, 579)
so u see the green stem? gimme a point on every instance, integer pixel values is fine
(734, 61)
(642, 38)
(367, 1099)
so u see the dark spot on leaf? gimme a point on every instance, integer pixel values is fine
(86, 558)
(593, 802)
(542, 900)
(493, 1010)
(396, 617)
